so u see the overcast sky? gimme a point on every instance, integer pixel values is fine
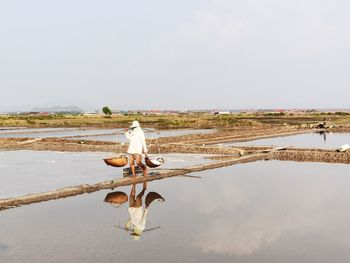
(179, 54)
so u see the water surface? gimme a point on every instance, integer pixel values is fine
(12, 130)
(258, 212)
(314, 140)
(152, 135)
(53, 132)
(25, 172)
(92, 134)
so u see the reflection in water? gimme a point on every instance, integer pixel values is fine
(136, 223)
(323, 133)
(330, 140)
(262, 212)
(116, 198)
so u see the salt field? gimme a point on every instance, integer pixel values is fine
(53, 132)
(326, 140)
(174, 132)
(149, 135)
(26, 172)
(93, 134)
(259, 212)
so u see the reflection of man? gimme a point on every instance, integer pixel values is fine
(137, 215)
(323, 133)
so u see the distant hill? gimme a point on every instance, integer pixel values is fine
(57, 109)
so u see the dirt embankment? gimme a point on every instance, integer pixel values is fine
(187, 143)
(312, 155)
(195, 143)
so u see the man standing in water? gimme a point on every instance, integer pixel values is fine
(137, 146)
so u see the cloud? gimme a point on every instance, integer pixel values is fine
(238, 48)
(210, 29)
(243, 216)
(242, 239)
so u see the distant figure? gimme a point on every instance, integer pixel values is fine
(322, 125)
(137, 146)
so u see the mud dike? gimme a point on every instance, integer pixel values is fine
(179, 144)
(312, 155)
(196, 144)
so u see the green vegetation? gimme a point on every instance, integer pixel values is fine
(30, 121)
(107, 111)
(275, 114)
(342, 113)
(172, 121)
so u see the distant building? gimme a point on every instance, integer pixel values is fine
(89, 113)
(198, 111)
(280, 110)
(153, 112)
(221, 112)
(173, 112)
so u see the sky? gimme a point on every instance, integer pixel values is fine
(184, 54)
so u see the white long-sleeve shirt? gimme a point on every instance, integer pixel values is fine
(137, 141)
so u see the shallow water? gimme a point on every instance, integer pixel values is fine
(53, 132)
(314, 140)
(258, 212)
(23, 129)
(163, 133)
(91, 134)
(25, 172)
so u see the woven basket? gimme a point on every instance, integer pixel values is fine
(118, 161)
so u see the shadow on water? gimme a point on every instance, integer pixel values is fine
(136, 223)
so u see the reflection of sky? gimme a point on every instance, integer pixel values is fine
(258, 212)
(53, 132)
(100, 134)
(163, 133)
(28, 130)
(315, 140)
